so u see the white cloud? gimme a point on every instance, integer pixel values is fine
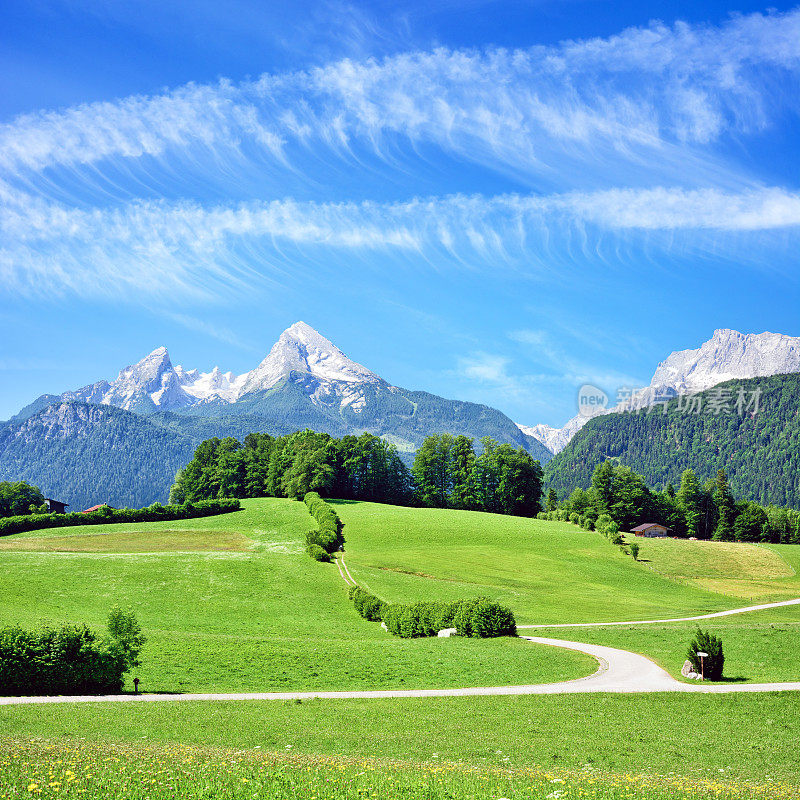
(185, 248)
(600, 103)
(484, 367)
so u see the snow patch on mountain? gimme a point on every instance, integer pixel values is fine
(554, 439)
(301, 349)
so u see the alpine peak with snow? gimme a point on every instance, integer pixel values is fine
(154, 384)
(304, 382)
(728, 354)
(302, 349)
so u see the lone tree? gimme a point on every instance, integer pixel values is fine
(635, 551)
(127, 635)
(711, 667)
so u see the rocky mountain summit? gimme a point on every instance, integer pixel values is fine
(726, 355)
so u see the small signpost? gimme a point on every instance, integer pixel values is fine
(702, 655)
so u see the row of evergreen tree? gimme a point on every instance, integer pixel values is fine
(446, 472)
(706, 510)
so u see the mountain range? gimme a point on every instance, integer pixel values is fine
(727, 355)
(756, 441)
(122, 441)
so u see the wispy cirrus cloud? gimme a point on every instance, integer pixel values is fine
(617, 138)
(601, 103)
(158, 248)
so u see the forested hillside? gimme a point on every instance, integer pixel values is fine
(760, 450)
(85, 455)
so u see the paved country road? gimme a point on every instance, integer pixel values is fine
(618, 671)
(674, 619)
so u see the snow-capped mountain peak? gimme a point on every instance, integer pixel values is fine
(726, 355)
(303, 350)
(154, 384)
(146, 375)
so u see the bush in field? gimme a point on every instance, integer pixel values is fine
(705, 642)
(67, 660)
(574, 517)
(367, 605)
(317, 553)
(491, 619)
(635, 551)
(127, 635)
(329, 534)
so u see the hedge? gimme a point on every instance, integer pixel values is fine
(106, 515)
(69, 660)
(367, 605)
(477, 618)
(328, 536)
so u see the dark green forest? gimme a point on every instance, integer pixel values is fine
(760, 452)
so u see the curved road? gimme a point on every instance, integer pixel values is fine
(674, 619)
(619, 671)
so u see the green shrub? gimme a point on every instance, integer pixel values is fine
(126, 634)
(69, 660)
(635, 551)
(705, 642)
(574, 518)
(329, 534)
(318, 553)
(490, 619)
(462, 618)
(367, 605)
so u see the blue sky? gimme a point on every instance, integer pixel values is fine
(493, 201)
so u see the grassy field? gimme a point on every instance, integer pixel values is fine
(753, 572)
(550, 572)
(232, 603)
(736, 739)
(261, 616)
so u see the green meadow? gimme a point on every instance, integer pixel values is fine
(233, 603)
(549, 572)
(603, 746)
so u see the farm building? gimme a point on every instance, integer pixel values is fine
(651, 530)
(55, 506)
(97, 508)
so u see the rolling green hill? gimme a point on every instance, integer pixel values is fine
(236, 605)
(760, 452)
